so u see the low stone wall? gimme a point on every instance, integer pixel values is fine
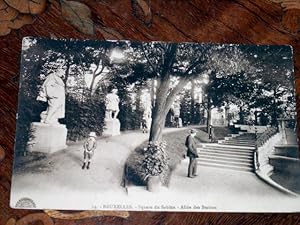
(266, 150)
(279, 165)
(287, 151)
(251, 129)
(286, 165)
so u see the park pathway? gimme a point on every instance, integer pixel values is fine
(228, 190)
(61, 175)
(226, 176)
(66, 185)
(226, 181)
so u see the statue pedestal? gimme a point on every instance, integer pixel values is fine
(180, 122)
(47, 138)
(112, 127)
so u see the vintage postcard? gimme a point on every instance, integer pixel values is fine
(156, 126)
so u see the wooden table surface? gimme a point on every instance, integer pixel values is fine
(218, 21)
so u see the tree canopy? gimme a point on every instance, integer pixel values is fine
(257, 77)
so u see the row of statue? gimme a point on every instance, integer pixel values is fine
(50, 135)
(52, 91)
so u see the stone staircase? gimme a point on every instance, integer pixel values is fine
(234, 153)
(244, 139)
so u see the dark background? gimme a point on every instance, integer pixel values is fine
(238, 21)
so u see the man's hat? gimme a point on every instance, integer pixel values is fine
(193, 131)
(92, 134)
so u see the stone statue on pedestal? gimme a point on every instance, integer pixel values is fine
(112, 105)
(49, 135)
(176, 110)
(53, 92)
(112, 124)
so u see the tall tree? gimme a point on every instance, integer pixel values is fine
(184, 62)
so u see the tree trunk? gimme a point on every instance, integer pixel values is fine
(209, 108)
(208, 122)
(193, 102)
(227, 120)
(67, 72)
(96, 73)
(274, 113)
(157, 126)
(163, 104)
(92, 84)
(256, 117)
(159, 111)
(164, 99)
(152, 93)
(241, 114)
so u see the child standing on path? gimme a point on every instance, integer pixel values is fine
(89, 147)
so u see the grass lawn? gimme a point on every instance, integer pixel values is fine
(175, 150)
(219, 132)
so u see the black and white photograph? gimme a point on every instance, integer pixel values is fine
(156, 126)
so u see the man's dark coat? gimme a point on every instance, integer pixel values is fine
(191, 147)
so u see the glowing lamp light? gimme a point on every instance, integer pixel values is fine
(205, 79)
(116, 56)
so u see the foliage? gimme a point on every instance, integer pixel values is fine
(84, 117)
(262, 138)
(155, 160)
(131, 112)
(185, 108)
(28, 108)
(236, 74)
(175, 151)
(263, 85)
(84, 103)
(185, 62)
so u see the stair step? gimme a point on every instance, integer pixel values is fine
(226, 154)
(228, 146)
(236, 168)
(225, 162)
(221, 156)
(238, 139)
(225, 148)
(246, 137)
(246, 154)
(238, 144)
(241, 140)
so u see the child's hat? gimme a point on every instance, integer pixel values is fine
(193, 131)
(92, 134)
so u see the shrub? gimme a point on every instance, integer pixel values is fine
(155, 161)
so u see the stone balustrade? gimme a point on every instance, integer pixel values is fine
(287, 151)
(251, 128)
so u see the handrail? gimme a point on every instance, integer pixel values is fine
(260, 140)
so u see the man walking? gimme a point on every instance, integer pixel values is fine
(192, 153)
